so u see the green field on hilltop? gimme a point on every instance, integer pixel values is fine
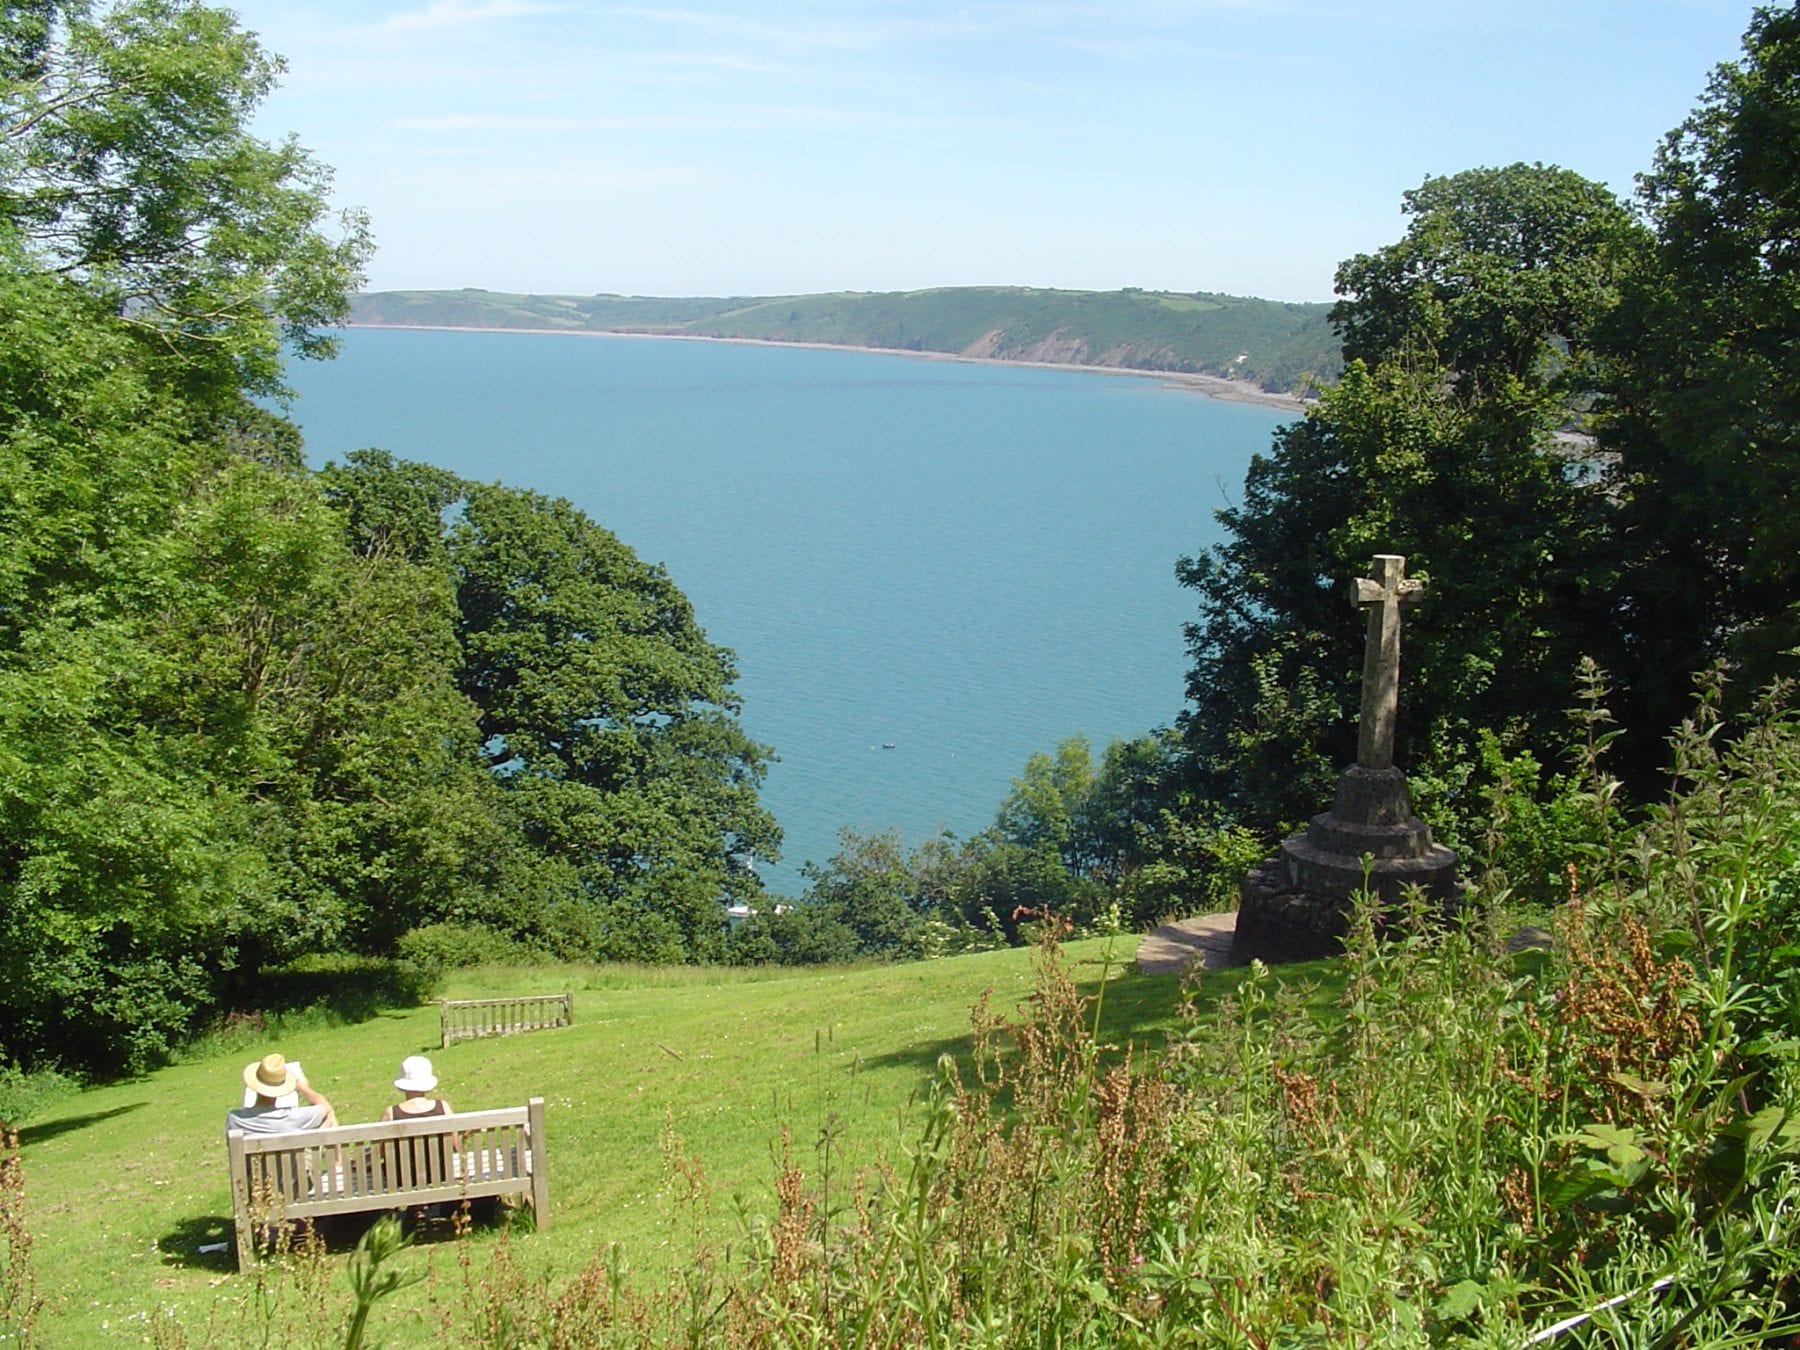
(1267, 343)
(126, 1183)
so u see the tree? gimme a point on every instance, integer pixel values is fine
(610, 720)
(871, 888)
(115, 870)
(1440, 443)
(1499, 281)
(1041, 810)
(227, 738)
(153, 258)
(1703, 413)
(127, 165)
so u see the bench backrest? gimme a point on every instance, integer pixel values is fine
(467, 1019)
(388, 1165)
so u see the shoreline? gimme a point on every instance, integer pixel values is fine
(1207, 386)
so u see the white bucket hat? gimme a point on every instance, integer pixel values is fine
(416, 1075)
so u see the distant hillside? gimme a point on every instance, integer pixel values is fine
(1274, 346)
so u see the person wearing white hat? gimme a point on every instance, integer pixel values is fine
(430, 1158)
(416, 1083)
(268, 1079)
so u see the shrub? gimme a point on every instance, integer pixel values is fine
(438, 947)
(26, 1094)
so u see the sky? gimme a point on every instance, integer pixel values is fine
(756, 147)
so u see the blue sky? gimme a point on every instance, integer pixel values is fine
(721, 148)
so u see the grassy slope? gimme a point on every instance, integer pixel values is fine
(1204, 334)
(126, 1182)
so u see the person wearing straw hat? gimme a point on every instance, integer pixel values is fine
(269, 1079)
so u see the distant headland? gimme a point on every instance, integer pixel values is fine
(1264, 351)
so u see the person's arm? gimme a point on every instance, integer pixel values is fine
(316, 1098)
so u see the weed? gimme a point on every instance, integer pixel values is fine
(19, 1300)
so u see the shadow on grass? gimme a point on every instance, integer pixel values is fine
(187, 1244)
(1140, 1012)
(37, 1134)
(181, 1245)
(350, 988)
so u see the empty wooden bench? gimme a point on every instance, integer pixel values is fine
(386, 1165)
(469, 1019)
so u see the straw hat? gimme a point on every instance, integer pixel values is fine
(270, 1076)
(416, 1075)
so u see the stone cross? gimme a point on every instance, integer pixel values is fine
(1385, 596)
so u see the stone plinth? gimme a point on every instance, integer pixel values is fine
(1276, 923)
(1296, 905)
(1372, 815)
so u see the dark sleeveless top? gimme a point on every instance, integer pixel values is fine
(430, 1156)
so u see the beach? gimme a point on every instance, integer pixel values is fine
(1209, 386)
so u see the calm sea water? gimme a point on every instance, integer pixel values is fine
(968, 562)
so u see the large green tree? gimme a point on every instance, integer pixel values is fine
(1704, 408)
(610, 719)
(111, 863)
(225, 738)
(1445, 441)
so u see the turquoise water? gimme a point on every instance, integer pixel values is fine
(969, 562)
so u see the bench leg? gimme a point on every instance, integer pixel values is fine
(240, 1200)
(540, 1172)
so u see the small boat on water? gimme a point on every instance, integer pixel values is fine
(887, 745)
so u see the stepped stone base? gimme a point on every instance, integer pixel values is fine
(1296, 905)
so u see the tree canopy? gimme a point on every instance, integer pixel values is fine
(1703, 407)
(127, 164)
(1577, 422)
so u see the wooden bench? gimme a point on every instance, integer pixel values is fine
(386, 1165)
(469, 1019)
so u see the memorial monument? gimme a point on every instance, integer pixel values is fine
(1296, 905)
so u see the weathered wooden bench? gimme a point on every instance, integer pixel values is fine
(469, 1019)
(276, 1178)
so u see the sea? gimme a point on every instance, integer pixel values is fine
(928, 569)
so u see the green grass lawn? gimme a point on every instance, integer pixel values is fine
(125, 1183)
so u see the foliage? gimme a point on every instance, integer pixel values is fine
(1506, 532)
(372, 1276)
(20, 1303)
(128, 165)
(608, 718)
(1470, 348)
(438, 947)
(1702, 406)
(1469, 1152)
(1091, 844)
(1500, 280)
